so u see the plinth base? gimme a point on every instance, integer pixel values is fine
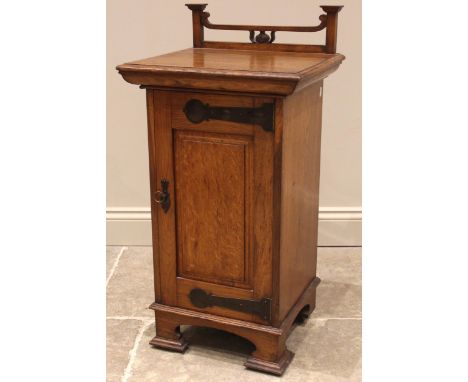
(270, 355)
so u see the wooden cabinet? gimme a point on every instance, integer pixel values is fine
(234, 145)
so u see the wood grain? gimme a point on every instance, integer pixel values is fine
(270, 342)
(249, 71)
(263, 208)
(180, 121)
(266, 48)
(198, 31)
(235, 60)
(262, 41)
(185, 285)
(276, 210)
(255, 235)
(242, 223)
(257, 206)
(166, 224)
(299, 194)
(214, 193)
(221, 217)
(332, 27)
(153, 187)
(223, 82)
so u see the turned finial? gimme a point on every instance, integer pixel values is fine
(332, 26)
(198, 35)
(196, 7)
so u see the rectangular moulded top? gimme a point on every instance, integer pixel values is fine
(247, 71)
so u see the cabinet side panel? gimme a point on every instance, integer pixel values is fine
(299, 193)
(276, 212)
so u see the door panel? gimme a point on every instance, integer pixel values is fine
(213, 182)
(217, 233)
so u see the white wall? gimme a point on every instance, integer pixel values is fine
(144, 28)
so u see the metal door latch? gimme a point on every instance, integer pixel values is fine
(162, 197)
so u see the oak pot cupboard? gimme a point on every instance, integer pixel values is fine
(234, 152)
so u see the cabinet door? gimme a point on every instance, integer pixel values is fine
(216, 235)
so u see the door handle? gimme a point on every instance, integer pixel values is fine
(162, 197)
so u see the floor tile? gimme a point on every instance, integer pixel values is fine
(340, 265)
(326, 350)
(340, 292)
(338, 300)
(111, 257)
(121, 336)
(131, 291)
(212, 356)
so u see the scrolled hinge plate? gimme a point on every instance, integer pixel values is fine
(201, 299)
(196, 112)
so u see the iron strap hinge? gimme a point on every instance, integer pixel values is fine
(196, 112)
(202, 299)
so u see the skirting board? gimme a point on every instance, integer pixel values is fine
(338, 226)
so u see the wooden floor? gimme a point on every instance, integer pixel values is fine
(327, 346)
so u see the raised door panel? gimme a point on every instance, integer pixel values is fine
(214, 199)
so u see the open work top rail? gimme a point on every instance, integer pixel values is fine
(263, 41)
